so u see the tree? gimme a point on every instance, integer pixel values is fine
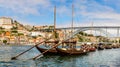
(14, 28)
(55, 34)
(90, 34)
(19, 34)
(34, 37)
(14, 31)
(83, 33)
(5, 41)
(1, 28)
(80, 38)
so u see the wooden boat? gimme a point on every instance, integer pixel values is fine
(52, 41)
(74, 42)
(108, 47)
(100, 48)
(92, 49)
(71, 51)
(50, 52)
(63, 51)
(114, 46)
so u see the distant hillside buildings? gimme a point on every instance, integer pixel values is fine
(14, 32)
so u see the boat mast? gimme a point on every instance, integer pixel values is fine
(54, 18)
(54, 31)
(72, 21)
(72, 17)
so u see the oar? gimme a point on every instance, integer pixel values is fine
(45, 51)
(14, 58)
(48, 50)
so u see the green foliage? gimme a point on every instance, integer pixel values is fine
(119, 40)
(14, 28)
(51, 27)
(4, 41)
(83, 33)
(34, 37)
(2, 31)
(56, 35)
(14, 31)
(19, 34)
(90, 34)
(81, 39)
(2, 28)
(40, 35)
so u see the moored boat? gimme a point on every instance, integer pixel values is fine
(50, 52)
(71, 51)
(100, 48)
(52, 41)
(108, 47)
(114, 46)
(92, 49)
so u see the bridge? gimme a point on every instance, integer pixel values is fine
(101, 27)
(104, 30)
(95, 28)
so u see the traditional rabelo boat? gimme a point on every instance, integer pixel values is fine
(115, 46)
(68, 46)
(92, 49)
(71, 49)
(100, 46)
(108, 46)
(50, 52)
(51, 43)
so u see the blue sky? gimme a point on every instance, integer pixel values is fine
(40, 12)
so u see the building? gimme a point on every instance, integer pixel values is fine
(6, 22)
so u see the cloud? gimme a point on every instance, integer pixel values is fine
(24, 6)
(93, 11)
(63, 11)
(86, 11)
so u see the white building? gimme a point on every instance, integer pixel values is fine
(36, 33)
(6, 22)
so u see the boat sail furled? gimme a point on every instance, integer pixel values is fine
(54, 41)
(71, 50)
(70, 44)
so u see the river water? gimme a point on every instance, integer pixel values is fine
(103, 58)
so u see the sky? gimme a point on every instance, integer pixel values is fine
(41, 12)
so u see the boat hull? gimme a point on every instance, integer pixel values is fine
(70, 51)
(108, 47)
(92, 49)
(50, 52)
(100, 48)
